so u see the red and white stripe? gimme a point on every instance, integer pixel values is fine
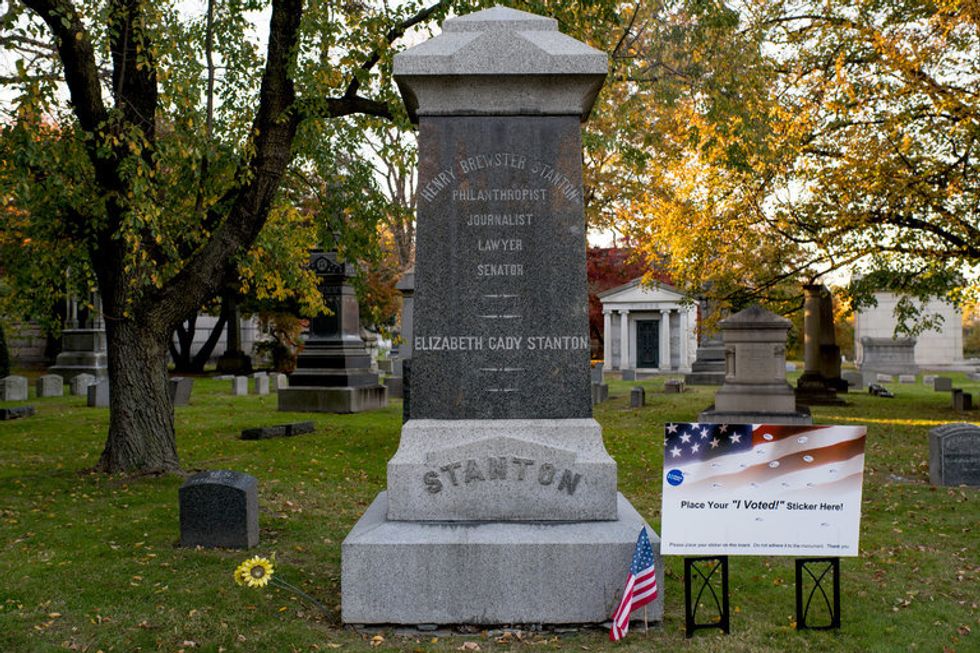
(639, 591)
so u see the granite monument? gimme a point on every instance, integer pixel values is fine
(502, 503)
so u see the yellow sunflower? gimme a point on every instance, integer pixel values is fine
(254, 572)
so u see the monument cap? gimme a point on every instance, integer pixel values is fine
(500, 61)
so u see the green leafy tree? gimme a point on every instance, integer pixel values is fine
(158, 194)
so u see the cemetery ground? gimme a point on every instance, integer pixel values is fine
(89, 561)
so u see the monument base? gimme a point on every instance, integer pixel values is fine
(311, 399)
(395, 385)
(234, 362)
(489, 573)
(712, 416)
(705, 378)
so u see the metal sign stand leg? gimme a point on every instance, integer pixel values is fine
(816, 569)
(705, 568)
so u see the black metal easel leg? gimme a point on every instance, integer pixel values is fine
(704, 574)
(817, 569)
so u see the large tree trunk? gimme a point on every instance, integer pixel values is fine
(141, 420)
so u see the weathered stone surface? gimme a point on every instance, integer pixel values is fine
(674, 386)
(521, 470)
(500, 286)
(489, 572)
(16, 412)
(755, 388)
(855, 380)
(219, 509)
(333, 371)
(278, 382)
(962, 401)
(597, 377)
(928, 379)
(79, 384)
(638, 397)
(83, 351)
(628, 374)
(884, 378)
(906, 378)
(180, 390)
(818, 384)
(50, 385)
(942, 384)
(888, 355)
(260, 384)
(600, 393)
(225, 377)
(278, 431)
(13, 388)
(954, 454)
(239, 385)
(98, 394)
(395, 385)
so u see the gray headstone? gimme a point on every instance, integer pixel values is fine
(674, 385)
(277, 431)
(942, 384)
(79, 384)
(928, 379)
(258, 375)
(629, 375)
(600, 393)
(638, 397)
(260, 385)
(50, 385)
(888, 355)
(224, 377)
(906, 378)
(962, 401)
(13, 388)
(239, 385)
(16, 412)
(98, 394)
(954, 454)
(854, 380)
(597, 373)
(180, 390)
(219, 509)
(884, 378)
(278, 382)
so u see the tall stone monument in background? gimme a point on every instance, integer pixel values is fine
(333, 371)
(821, 378)
(83, 343)
(708, 367)
(502, 503)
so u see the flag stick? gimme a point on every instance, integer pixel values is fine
(646, 624)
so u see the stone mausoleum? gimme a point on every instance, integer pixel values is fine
(936, 350)
(648, 329)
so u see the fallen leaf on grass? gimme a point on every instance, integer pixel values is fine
(377, 640)
(469, 646)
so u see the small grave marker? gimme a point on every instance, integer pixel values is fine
(13, 388)
(180, 390)
(50, 385)
(638, 397)
(219, 509)
(98, 394)
(278, 431)
(79, 384)
(954, 454)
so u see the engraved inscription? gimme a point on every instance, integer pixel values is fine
(496, 468)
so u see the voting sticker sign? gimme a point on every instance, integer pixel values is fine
(762, 489)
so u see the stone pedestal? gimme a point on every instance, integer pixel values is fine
(502, 505)
(333, 371)
(755, 388)
(888, 356)
(83, 351)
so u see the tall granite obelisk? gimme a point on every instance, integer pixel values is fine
(502, 503)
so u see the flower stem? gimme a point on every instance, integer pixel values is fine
(295, 590)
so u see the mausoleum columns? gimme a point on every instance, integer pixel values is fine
(665, 339)
(607, 338)
(624, 339)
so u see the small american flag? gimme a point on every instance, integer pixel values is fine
(641, 587)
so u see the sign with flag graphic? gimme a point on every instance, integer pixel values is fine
(762, 489)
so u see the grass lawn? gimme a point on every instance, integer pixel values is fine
(89, 561)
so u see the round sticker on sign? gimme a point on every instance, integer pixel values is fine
(675, 477)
